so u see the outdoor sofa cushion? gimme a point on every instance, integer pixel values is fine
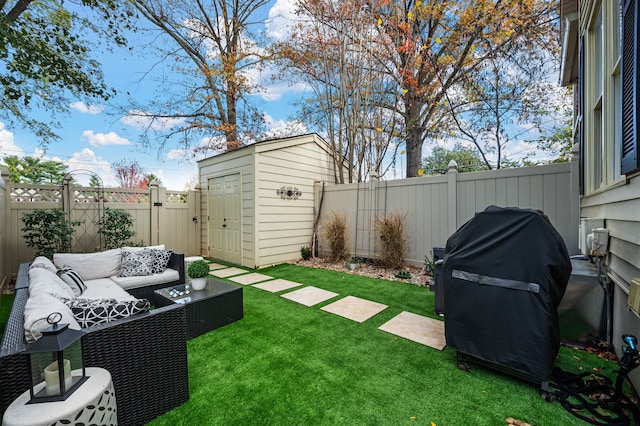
(44, 281)
(105, 288)
(43, 262)
(38, 307)
(127, 283)
(91, 265)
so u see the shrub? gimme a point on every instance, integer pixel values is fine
(115, 226)
(198, 269)
(48, 231)
(390, 229)
(305, 252)
(334, 230)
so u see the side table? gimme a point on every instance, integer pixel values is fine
(93, 403)
(217, 305)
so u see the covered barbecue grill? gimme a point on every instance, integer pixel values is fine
(505, 272)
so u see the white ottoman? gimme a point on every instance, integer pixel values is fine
(94, 402)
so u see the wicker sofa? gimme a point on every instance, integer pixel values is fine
(146, 354)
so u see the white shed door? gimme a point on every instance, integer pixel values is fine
(225, 218)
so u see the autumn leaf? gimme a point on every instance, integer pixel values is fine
(420, 172)
(379, 21)
(438, 40)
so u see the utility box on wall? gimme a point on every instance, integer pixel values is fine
(587, 225)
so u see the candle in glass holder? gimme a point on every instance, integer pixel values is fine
(52, 378)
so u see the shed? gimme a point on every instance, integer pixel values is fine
(258, 201)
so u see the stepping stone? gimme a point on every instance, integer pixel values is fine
(423, 330)
(214, 266)
(277, 285)
(250, 278)
(354, 308)
(309, 296)
(227, 272)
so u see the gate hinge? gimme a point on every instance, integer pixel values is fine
(157, 204)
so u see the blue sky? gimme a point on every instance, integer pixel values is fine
(93, 136)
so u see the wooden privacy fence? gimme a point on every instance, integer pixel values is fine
(435, 206)
(160, 216)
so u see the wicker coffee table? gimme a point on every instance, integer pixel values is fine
(219, 304)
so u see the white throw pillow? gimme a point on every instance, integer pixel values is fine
(44, 281)
(91, 265)
(71, 277)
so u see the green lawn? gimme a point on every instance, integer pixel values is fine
(287, 364)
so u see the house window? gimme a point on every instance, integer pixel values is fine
(630, 71)
(595, 147)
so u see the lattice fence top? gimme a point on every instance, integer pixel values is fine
(127, 197)
(33, 195)
(46, 193)
(176, 198)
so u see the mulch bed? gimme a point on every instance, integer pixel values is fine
(370, 269)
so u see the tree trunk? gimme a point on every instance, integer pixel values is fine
(415, 131)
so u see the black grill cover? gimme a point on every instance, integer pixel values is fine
(505, 272)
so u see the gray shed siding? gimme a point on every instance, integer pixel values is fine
(273, 228)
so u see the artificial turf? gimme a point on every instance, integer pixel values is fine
(288, 364)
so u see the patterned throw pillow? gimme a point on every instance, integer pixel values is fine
(99, 311)
(72, 278)
(136, 263)
(160, 259)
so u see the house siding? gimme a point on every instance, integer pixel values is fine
(608, 194)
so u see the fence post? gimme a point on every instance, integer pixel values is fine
(452, 197)
(5, 265)
(155, 204)
(196, 223)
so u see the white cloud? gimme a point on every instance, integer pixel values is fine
(87, 160)
(7, 143)
(273, 89)
(283, 129)
(177, 179)
(281, 19)
(140, 119)
(104, 139)
(87, 109)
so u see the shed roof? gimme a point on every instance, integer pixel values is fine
(268, 144)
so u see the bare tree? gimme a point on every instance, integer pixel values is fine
(332, 49)
(212, 48)
(507, 100)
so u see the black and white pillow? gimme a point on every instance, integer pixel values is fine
(136, 263)
(99, 311)
(160, 259)
(72, 278)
